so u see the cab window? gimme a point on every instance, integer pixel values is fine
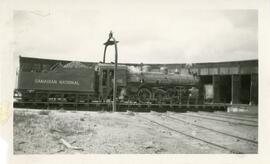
(111, 74)
(104, 77)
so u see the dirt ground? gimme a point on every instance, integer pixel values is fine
(73, 132)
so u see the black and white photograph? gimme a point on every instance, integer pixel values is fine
(140, 82)
(180, 82)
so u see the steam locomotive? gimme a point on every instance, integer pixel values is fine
(43, 80)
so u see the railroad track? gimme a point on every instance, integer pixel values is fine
(203, 132)
(129, 106)
(229, 117)
(190, 136)
(213, 130)
(95, 106)
(237, 115)
(220, 120)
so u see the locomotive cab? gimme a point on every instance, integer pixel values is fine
(106, 79)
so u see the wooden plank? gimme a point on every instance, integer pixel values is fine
(249, 70)
(204, 71)
(213, 71)
(234, 70)
(224, 70)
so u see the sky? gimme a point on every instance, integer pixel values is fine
(159, 35)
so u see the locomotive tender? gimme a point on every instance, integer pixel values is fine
(43, 80)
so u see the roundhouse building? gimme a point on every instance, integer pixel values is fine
(233, 82)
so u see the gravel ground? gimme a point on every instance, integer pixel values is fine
(46, 132)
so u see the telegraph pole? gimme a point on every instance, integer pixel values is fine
(112, 41)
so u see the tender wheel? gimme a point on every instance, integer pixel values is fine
(144, 95)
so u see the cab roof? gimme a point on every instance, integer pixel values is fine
(111, 66)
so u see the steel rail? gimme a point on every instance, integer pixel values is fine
(237, 115)
(237, 123)
(121, 104)
(245, 139)
(233, 118)
(195, 138)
